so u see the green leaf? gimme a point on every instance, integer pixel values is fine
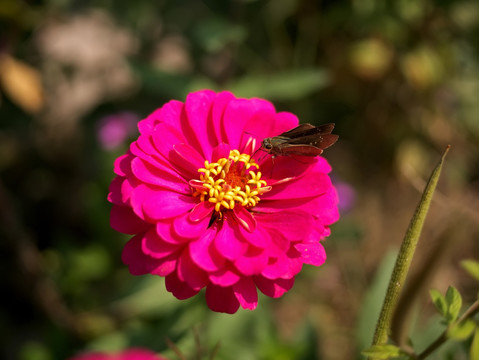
(214, 34)
(475, 346)
(472, 267)
(33, 350)
(383, 351)
(439, 301)
(281, 86)
(454, 303)
(461, 331)
(159, 82)
(373, 299)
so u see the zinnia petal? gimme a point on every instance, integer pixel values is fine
(221, 299)
(198, 126)
(245, 292)
(273, 288)
(155, 247)
(253, 262)
(293, 225)
(184, 227)
(217, 115)
(121, 165)
(204, 253)
(123, 219)
(227, 243)
(159, 176)
(312, 254)
(156, 204)
(190, 273)
(236, 115)
(224, 277)
(180, 289)
(139, 263)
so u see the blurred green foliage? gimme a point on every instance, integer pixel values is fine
(399, 78)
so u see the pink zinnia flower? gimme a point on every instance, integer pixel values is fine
(207, 215)
(131, 354)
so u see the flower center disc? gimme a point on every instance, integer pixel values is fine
(230, 181)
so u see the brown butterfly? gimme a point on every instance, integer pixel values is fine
(303, 140)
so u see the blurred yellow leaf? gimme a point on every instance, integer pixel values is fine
(370, 58)
(422, 68)
(21, 83)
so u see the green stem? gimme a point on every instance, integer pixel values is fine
(405, 256)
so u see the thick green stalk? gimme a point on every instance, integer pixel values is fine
(405, 256)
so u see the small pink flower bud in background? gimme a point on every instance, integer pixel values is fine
(114, 129)
(130, 354)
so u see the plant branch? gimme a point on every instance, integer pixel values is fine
(405, 256)
(469, 313)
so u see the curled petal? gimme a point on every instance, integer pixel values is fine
(184, 227)
(115, 195)
(155, 246)
(180, 289)
(245, 292)
(172, 114)
(121, 165)
(284, 266)
(224, 277)
(312, 254)
(147, 125)
(190, 273)
(167, 266)
(201, 211)
(139, 263)
(273, 288)
(164, 229)
(164, 137)
(245, 218)
(221, 299)
(145, 144)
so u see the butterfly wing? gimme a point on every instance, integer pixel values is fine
(320, 141)
(308, 129)
(300, 130)
(302, 150)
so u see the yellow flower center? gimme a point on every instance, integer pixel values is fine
(230, 181)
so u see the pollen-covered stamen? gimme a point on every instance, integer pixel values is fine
(230, 181)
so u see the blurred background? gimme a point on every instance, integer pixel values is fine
(399, 78)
